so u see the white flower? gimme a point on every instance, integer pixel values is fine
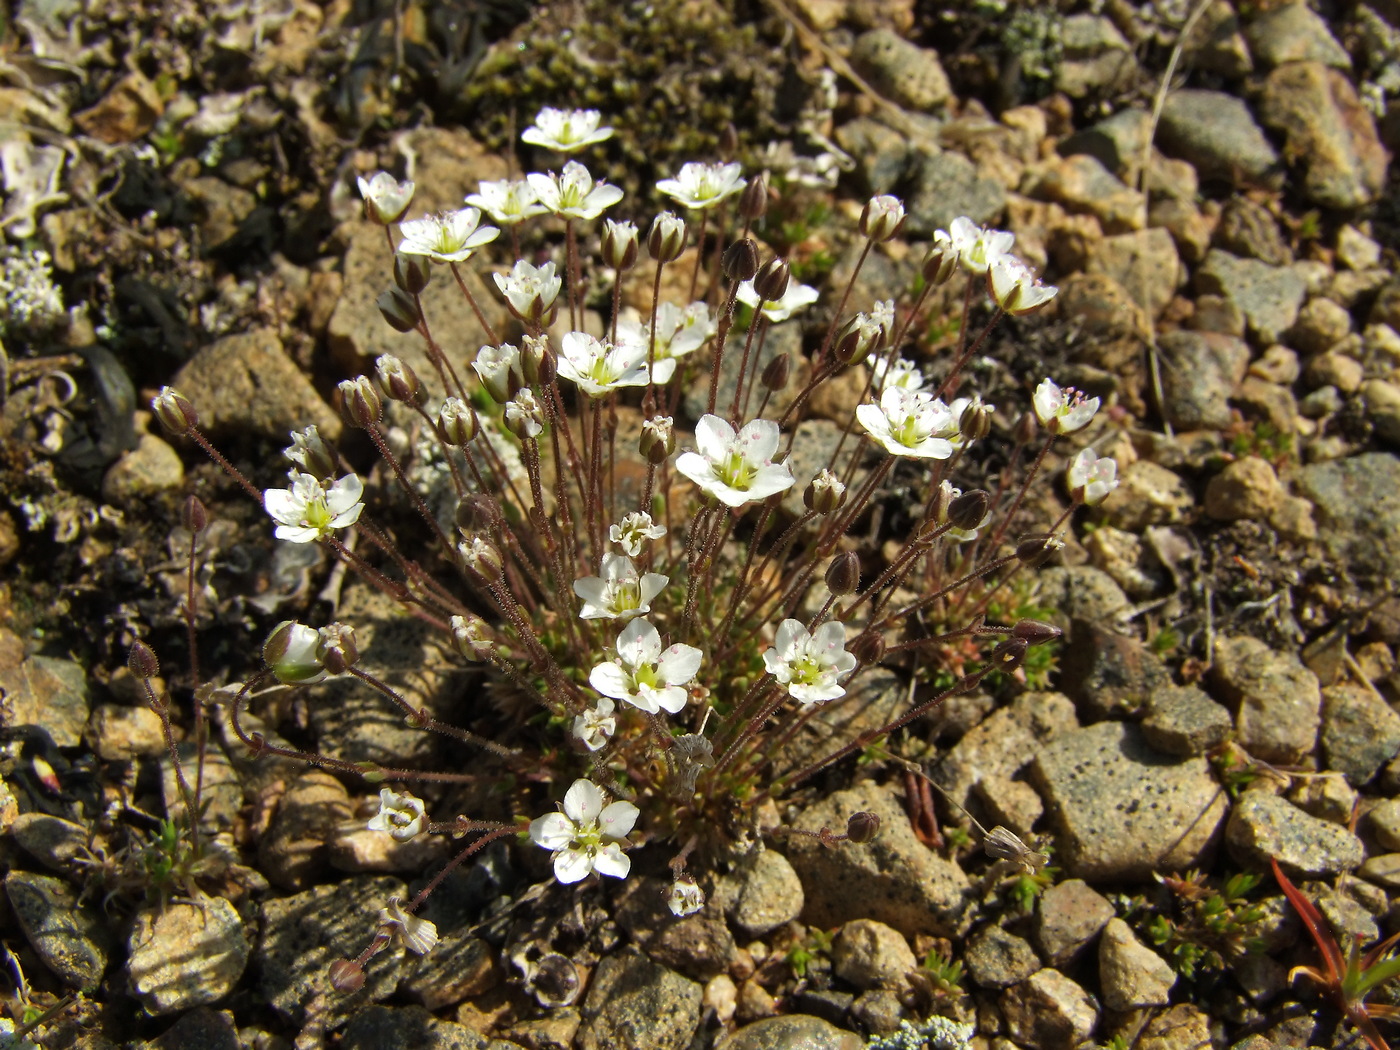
(977, 247)
(703, 185)
(736, 468)
(566, 130)
(910, 423)
(386, 198)
(950, 493)
(685, 898)
(881, 218)
(679, 331)
(1062, 411)
(1092, 478)
(645, 676)
(499, 370)
(573, 194)
(899, 372)
(453, 236)
(508, 201)
(292, 653)
(599, 367)
(402, 816)
(419, 935)
(797, 297)
(524, 415)
(310, 453)
(310, 511)
(587, 836)
(810, 665)
(1016, 289)
(530, 290)
(633, 531)
(619, 594)
(596, 724)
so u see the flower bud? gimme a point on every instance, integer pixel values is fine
(619, 244)
(386, 198)
(500, 371)
(193, 514)
(657, 440)
(471, 637)
(868, 648)
(666, 240)
(478, 512)
(882, 217)
(966, 512)
(142, 662)
(1035, 551)
(175, 413)
(741, 259)
(411, 272)
(398, 380)
(337, 650)
(824, 493)
(775, 373)
(534, 352)
(771, 281)
(524, 416)
(481, 557)
(1027, 427)
(859, 337)
(1035, 632)
(456, 422)
(347, 976)
(728, 141)
(862, 826)
(1009, 655)
(940, 264)
(843, 574)
(398, 309)
(975, 423)
(313, 454)
(753, 201)
(290, 653)
(360, 405)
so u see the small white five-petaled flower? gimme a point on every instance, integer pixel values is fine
(810, 666)
(644, 675)
(596, 724)
(310, 511)
(1016, 289)
(530, 290)
(508, 201)
(598, 367)
(703, 185)
(419, 935)
(451, 237)
(587, 836)
(1091, 477)
(977, 248)
(386, 198)
(402, 816)
(619, 593)
(566, 130)
(736, 468)
(634, 531)
(910, 423)
(1062, 411)
(573, 194)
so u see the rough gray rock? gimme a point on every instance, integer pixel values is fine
(396, 1027)
(1248, 489)
(1293, 33)
(123, 734)
(1268, 296)
(1360, 732)
(1262, 826)
(1108, 674)
(459, 966)
(71, 939)
(1144, 262)
(1081, 183)
(1115, 142)
(1216, 132)
(1071, 915)
(790, 1032)
(185, 954)
(54, 842)
(634, 1004)
(1248, 229)
(894, 878)
(1131, 975)
(1382, 399)
(870, 954)
(1095, 57)
(881, 153)
(1358, 515)
(149, 469)
(200, 1029)
(1277, 699)
(997, 958)
(1200, 370)
(1149, 494)
(1183, 720)
(901, 71)
(768, 894)
(1048, 1011)
(699, 946)
(1080, 592)
(292, 851)
(1123, 810)
(945, 185)
(48, 696)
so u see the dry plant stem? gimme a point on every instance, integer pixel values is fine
(421, 719)
(459, 483)
(843, 524)
(757, 697)
(441, 364)
(726, 322)
(388, 456)
(754, 375)
(444, 598)
(821, 372)
(187, 796)
(757, 322)
(227, 467)
(699, 253)
(776, 552)
(897, 569)
(201, 735)
(701, 566)
(471, 301)
(929, 599)
(741, 586)
(1005, 522)
(648, 402)
(539, 655)
(824, 353)
(919, 643)
(571, 268)
(413, 603)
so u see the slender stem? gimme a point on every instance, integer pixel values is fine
(486, 326)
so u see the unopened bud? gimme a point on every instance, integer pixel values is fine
(824, 494)
(411, 272)
(534, 352)
(940, 264)
(741, 259)
(313, 454)
(478, 512)
(1027, 427)
(481, 557)
(771, 281)
(775, 373)
(882, 217)
(728, 140)
(471, 637)
(753, 201)
(1009, 654)
(524, 416)
(290, 653)
(666, 240)
(141, 661)
(456, 422)
(347, 976)
(398, 380)
(868, 648)
(862, 826)
(858, 338)
(1035, 551)
(1035, 632)
(975, 423)
(398, 309)
(175, 413)
(657, 440)
(193, 515)
(337, 650)
(843, 574)
(360, 405)
(966, 512)
(619, 244)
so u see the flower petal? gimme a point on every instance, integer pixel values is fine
(583, 802)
